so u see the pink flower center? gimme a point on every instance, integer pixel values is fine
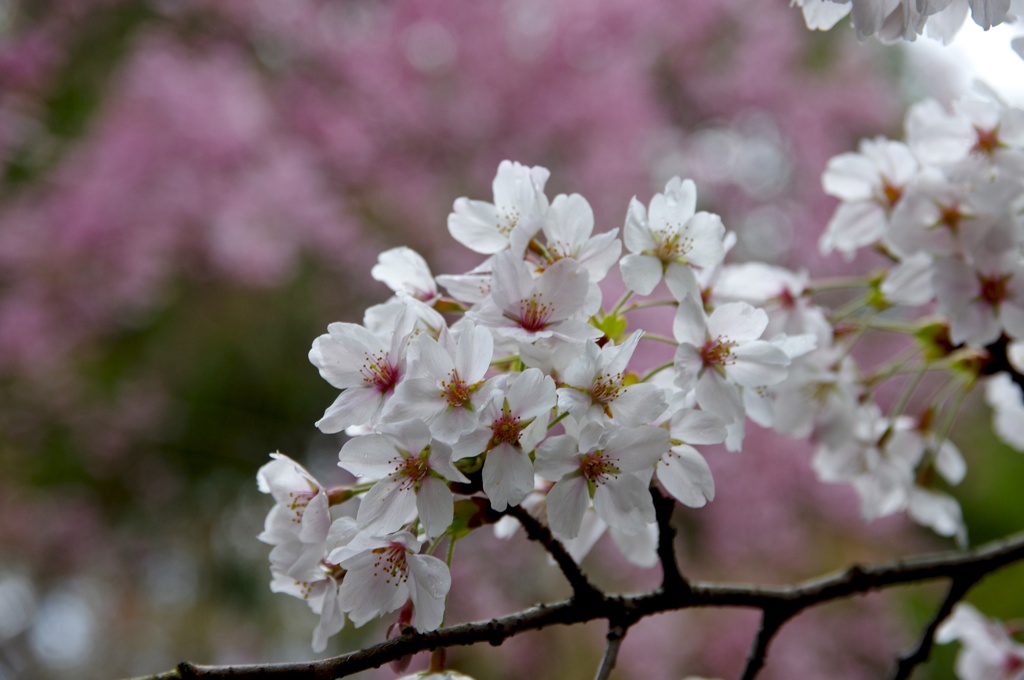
(672, 244)
(717, 352)
(595, 468)
(378, 371)
(786, 299)
(986, 141)
(534, 313)
(299, 501)
(950, 217)
(994, 289)
(891, 193)
(413, 468)
(391, 561)
(455, 391)
(506, 429)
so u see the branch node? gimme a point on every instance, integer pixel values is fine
(672, 580)
(583, 591)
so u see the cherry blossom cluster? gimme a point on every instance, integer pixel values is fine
(516, 384)
(894, 20)
(945, 206)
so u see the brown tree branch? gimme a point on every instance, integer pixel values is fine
(774, 601)
(771, 621)
(672, 579)
(616, 633)
(581, 587)
(957, 590)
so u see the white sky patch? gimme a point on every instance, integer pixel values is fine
(974, 54)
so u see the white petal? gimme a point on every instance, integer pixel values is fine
(432, 583)
(567, 501)
(387, 507)
(737, 321)
(625, 502)
(641, 273)
(369, 456)
(685, 474)
(435, 505)
(557, 456)
(507, 476)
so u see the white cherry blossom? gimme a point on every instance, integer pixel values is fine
(988, 651)
(886, 460)
(445, 382)
(413, 470)
(981, 301)
(595, 390)
(512, 423)
(517, 214)
(870, 184)
(568, 232)
(668, 238)
(682, 470)
(385, 572)
(405, 271)
(616, 462)
(526, 309)
(1007, 402)
(721, 354)
(320, 585)
(365, 366)
(298, 524)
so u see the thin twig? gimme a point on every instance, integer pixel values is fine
(616, 633)
(771, 621)
(581, 587)
(906, 663)
(672, 579)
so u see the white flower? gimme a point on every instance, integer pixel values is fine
(298, 524)
(981, 301)
(365, 367)
(682, 470)
(821, 15)
(471, 288)
(567, 231)
(988, 652)
(870, 184)
(819, 396)
(668, 239)
(445, 382)
(511, 425)
(981, 129)
(617, 463)
(893, 20)
(910, 282)
(526, 309)
(780, 292)
(720, 354)
(940, 217)
(405, 271)
(517, 213)
(885, 463)
(383, 573)
(594, 389)
(320, 587)
(413, 470)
